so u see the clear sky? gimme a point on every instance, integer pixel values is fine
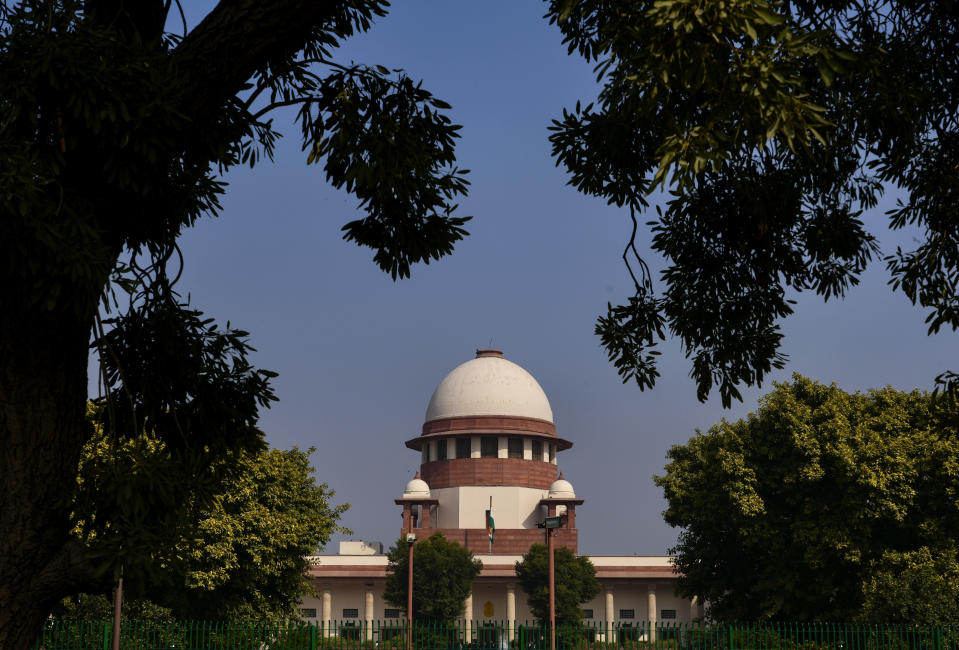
(360, 355)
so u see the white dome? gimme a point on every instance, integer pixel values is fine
(489, 385)
(417, 488)
(561, 489)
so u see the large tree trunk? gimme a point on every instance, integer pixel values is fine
(43, 392)
(43, 353)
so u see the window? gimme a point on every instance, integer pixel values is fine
(587, 613)
(462, 448)
(426, 453)
(489, 447)
(627, 613)
(537, 450)
(308, 612)
(351, 612)
(515, 447)
(667, 613)
(391, 613)
(440, 450)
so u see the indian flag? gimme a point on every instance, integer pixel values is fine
(490, 525)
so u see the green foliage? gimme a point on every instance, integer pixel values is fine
(247, 556)
(234, 551)
(913, 586)
(813, 507)
(387, 141)
(443, 574)
(114, 137)
(575, 583)
(98, 607)
(774, 127)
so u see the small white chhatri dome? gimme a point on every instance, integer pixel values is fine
(561, 489)
(489, 385)
(416, 489)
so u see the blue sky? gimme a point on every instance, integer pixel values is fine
(359, 355)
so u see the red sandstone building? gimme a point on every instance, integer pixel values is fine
(489, 443)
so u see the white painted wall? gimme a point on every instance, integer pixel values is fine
(465, 507)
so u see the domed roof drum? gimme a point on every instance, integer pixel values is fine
(489, 394)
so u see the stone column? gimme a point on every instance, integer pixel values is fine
(651, 610)
(425, 516)
(368, 612)
(610, 615)
(510, 612)
(468, 616)
(327, 611)
(695, 612)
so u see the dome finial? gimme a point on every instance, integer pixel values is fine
(488, 352)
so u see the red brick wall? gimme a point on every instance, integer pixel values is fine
(489, 422)
(507, 541)
(488, 471)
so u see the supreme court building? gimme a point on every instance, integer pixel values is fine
(489, 435)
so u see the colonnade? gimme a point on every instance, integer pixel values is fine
(652, 612)
(326, 615)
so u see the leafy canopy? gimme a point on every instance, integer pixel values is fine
(115, 134)
(773, 127)
(443, 574)
(821, 506)
(247, 555)
(575, 583)
(237, 547)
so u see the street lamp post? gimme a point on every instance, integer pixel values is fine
(410, 540)
(551, 524)
(552, 590)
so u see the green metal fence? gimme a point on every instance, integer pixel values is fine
(484, 635)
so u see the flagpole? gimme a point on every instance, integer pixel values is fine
(487, 524)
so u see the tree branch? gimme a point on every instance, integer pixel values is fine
(289, 102)
(240, 37)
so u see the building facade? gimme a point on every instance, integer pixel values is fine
(489, 450)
